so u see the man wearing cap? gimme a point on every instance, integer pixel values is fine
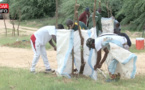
(85, 16)
(38, 42)
(101, 43)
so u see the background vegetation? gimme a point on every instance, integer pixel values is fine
(129, 12)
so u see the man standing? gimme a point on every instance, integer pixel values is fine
(85, 16)
(38, 41)
(98, 21)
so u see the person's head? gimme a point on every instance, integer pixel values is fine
(117, 28)
(99, 10)
(90, 43)
(87, 10)
(69, 23)
(60, 26)
(118, 25)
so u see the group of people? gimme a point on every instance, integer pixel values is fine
(48, 34)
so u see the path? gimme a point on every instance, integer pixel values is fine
(28, 30)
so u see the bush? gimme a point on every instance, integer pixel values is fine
(32, 9)
(133, 10)
(67, 7)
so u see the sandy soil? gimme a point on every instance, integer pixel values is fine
(22, 58)
(28, 30)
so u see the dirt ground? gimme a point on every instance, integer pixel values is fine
(27, 30)
(22, 58)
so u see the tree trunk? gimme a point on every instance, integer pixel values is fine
(73, 47)
(107, 8)
(56, 13)
(19, 22)
(5, 24)
(93, 17)
(13, 31)
(82, 48)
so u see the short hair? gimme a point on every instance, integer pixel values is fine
(89, 42)
(69, 22)
(60, 26)
(87, 9)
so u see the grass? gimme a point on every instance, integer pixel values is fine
(21, 79)
(39, 22)
(18, 42)
(134, 50)
(24, 42)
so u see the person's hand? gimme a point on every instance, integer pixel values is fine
(55, 48)
(99, 66)
(95, 67)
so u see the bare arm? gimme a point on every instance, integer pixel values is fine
(105, 56)
(98, 59)
(54, 38)
(51, 43)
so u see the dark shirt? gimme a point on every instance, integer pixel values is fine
(128, 39)
(83, 17)
(98, 22)
(81, 24)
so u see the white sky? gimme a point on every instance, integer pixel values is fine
(1, 0)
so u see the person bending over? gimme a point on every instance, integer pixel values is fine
(38, 42)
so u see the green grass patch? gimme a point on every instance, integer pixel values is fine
(18, 42)
(20, 79)
(134, 50)
(38, 23)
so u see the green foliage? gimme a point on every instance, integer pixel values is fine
(66, 9)
(18, 42)
(128, 12)
(133, 10)
(31, 9)
(4, 1)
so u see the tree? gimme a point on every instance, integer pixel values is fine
(32, 9)
(133, 10)
(66, 7)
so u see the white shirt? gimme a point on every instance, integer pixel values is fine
(99, 41)
(43, 35)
